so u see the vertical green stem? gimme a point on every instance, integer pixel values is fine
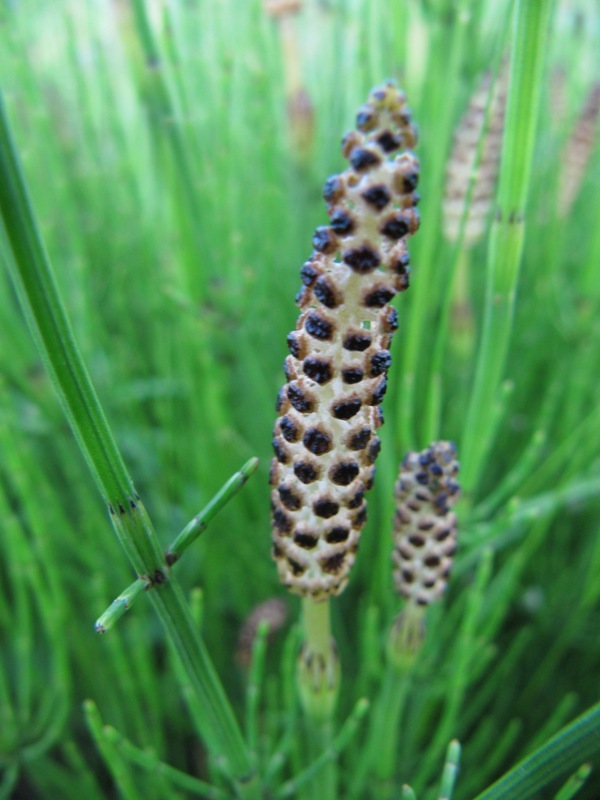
(508, 229)
(113, 760)
(31, 273)
(380, 753)
(318, 682)
(420, 317)
(161, 105)
(316, 625)
(450, 770)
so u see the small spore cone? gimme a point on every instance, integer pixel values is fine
(578, 151)
(424, 524)
(325, 442)
(462, 167)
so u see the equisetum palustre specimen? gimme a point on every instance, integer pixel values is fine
(424, 535)
(329, 409)
(424, 525)
(467, 165)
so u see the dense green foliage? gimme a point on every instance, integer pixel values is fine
(177, 207)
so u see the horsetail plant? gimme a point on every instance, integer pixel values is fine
(424, 533)
(472, 168)
(144, 130)
(186, 537)
(424, 539)
(329, 409)
(507, 234)
(471, 177)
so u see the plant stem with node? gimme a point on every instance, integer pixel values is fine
(318, 684)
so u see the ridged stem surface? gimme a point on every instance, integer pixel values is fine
(31, 273)
(508, 231)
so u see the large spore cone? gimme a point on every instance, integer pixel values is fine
(325, 438)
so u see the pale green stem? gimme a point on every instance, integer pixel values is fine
(508, 231)
(149, 762)
(318, 681)
(450, 771)
(574, 784)
(337, 746)
(121, 605)
(380, 752)
(200, 522)
(316, 626)
(441, 96)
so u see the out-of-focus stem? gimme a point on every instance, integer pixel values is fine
(318, 666)
(318, 684)
(508, 231)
